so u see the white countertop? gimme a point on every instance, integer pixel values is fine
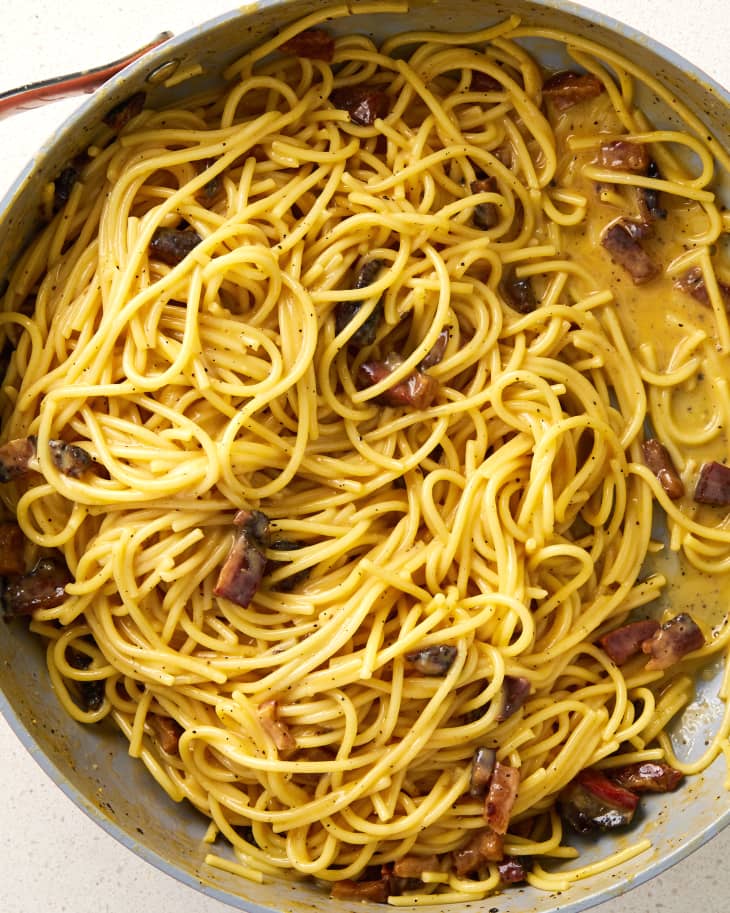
(52, 857)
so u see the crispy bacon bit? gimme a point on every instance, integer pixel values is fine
(647, 776)
(347, 310)
(658, 460)
(434, 661)
(591, 801)
(268, 714)
(293, 580)
(501, 797)
(504, 155)
(649, 198)
(166, 731)
(314, 44)
(244, 567)
(674, 640)
(625, 642)
(417, 389)
(414, 866)
(91, 692)
(518, 293)
(483, 82)
(172, 245)
(211, 190)
(121, 114)
(436, 353)
(15, 457)
(713, 485)
(482, 766)
(375, 891)
(693, 283)
(42, 588)
(364, 105)
(623, 155)
(511, 870)
(368, 273)
(485, 215)
(484, 847)
(621, 240)
(515, 689)
(12, 543)
(69, 459)
(568, 88)
(63, 185)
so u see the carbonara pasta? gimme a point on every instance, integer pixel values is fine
(341, 407)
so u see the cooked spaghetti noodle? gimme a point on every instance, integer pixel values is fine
(496, 528)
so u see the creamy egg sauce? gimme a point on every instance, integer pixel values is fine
(656, 318)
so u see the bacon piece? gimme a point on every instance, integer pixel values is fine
(436, 353)
(42, 588)
(515, 689)
(485, 846)
(172, 245)
(434, 661)
(674, 640)
(15, 457)
(501, 797)
(504, 155)
(591, 801)
(376, 891)
(314, 44)
(621, 240)
(347, 310)
(12, 541)
(567, 88)
(268, 714)
(293, 580)
(91, 692)
(244, 567)
(512, 870)
(363, 104)
(413, 866)
(63, 185)
(483, 82)
(623, 155)
(656, 457)
(69, 459)
(693, 283)
(486, 215)
(518, 293)
(167, 732)
(211, 190)
(417, 389)
(624, 642)
(649, 198)
(482, 766)
(647, 776)
(120, 115)
(713, 485)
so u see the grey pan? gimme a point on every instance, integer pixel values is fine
(91, 765)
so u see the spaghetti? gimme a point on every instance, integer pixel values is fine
(383, 331)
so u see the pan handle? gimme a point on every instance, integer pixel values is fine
(35, 94)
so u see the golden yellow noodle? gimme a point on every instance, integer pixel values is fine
(510, 519)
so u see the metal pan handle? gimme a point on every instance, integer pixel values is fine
(48, 90)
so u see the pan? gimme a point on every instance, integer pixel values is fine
(89, 766)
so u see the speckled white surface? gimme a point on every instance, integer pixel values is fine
(53, 859)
